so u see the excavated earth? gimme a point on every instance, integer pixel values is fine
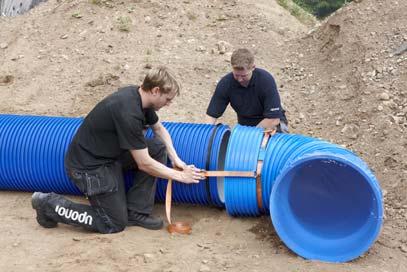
(343, 80)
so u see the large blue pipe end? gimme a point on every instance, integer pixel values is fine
(327, 207)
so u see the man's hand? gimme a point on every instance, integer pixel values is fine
(177, 163)
(181, 172)
(191, 174)
(269, 123)
(188, 173)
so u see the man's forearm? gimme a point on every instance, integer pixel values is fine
(269, 123)
(165, 137)
(155, 168)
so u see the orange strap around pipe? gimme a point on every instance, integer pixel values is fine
(184, 227)
(246, 174)
(266, 137)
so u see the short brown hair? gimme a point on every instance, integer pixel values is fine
(242, 58)
(160, 77)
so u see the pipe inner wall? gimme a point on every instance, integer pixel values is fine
(326, 208)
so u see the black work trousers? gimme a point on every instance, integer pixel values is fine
(105, 189)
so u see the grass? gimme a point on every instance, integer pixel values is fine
(77, 15)
(191, 16)
(124, 23)
(105, 3)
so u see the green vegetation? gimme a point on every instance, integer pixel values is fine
(302, 9)
(301, 14)
(77, 15)
(124, 23)
(105, 3)
(321, 8)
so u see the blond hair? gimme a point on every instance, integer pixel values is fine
(160, 77)
(241, 59)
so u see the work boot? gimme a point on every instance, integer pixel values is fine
(38, 201)
(144, 220)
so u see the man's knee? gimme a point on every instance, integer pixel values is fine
(115, 229)
(111, 212)
(118, 227)
(157, 150)
(114, 224)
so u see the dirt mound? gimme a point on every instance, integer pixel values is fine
(65, 56)
(348, 84)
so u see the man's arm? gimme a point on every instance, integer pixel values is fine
(161, 133)
(272, 104)
(145, 163)
(218, 103)
(269, 123)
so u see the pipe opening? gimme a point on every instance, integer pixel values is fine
(326, 209)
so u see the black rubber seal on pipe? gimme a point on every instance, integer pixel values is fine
(208, 159)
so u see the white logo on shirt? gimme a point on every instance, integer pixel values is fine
(274, 109)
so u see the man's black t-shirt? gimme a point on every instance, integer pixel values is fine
(114, 126)
(259, 100)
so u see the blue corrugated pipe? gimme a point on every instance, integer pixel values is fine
(204, 146)
(325, 203)
(32, 150)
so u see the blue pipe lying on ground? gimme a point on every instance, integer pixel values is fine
(32, 150)
(325, 203)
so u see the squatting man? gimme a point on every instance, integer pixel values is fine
(111, 140)
(252, 93)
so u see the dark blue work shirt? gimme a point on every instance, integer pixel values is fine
(259, 100)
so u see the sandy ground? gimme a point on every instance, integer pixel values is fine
(339, 81)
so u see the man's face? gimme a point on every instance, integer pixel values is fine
(162, 99)
(243, 76)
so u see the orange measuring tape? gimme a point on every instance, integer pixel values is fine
(185, 227)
